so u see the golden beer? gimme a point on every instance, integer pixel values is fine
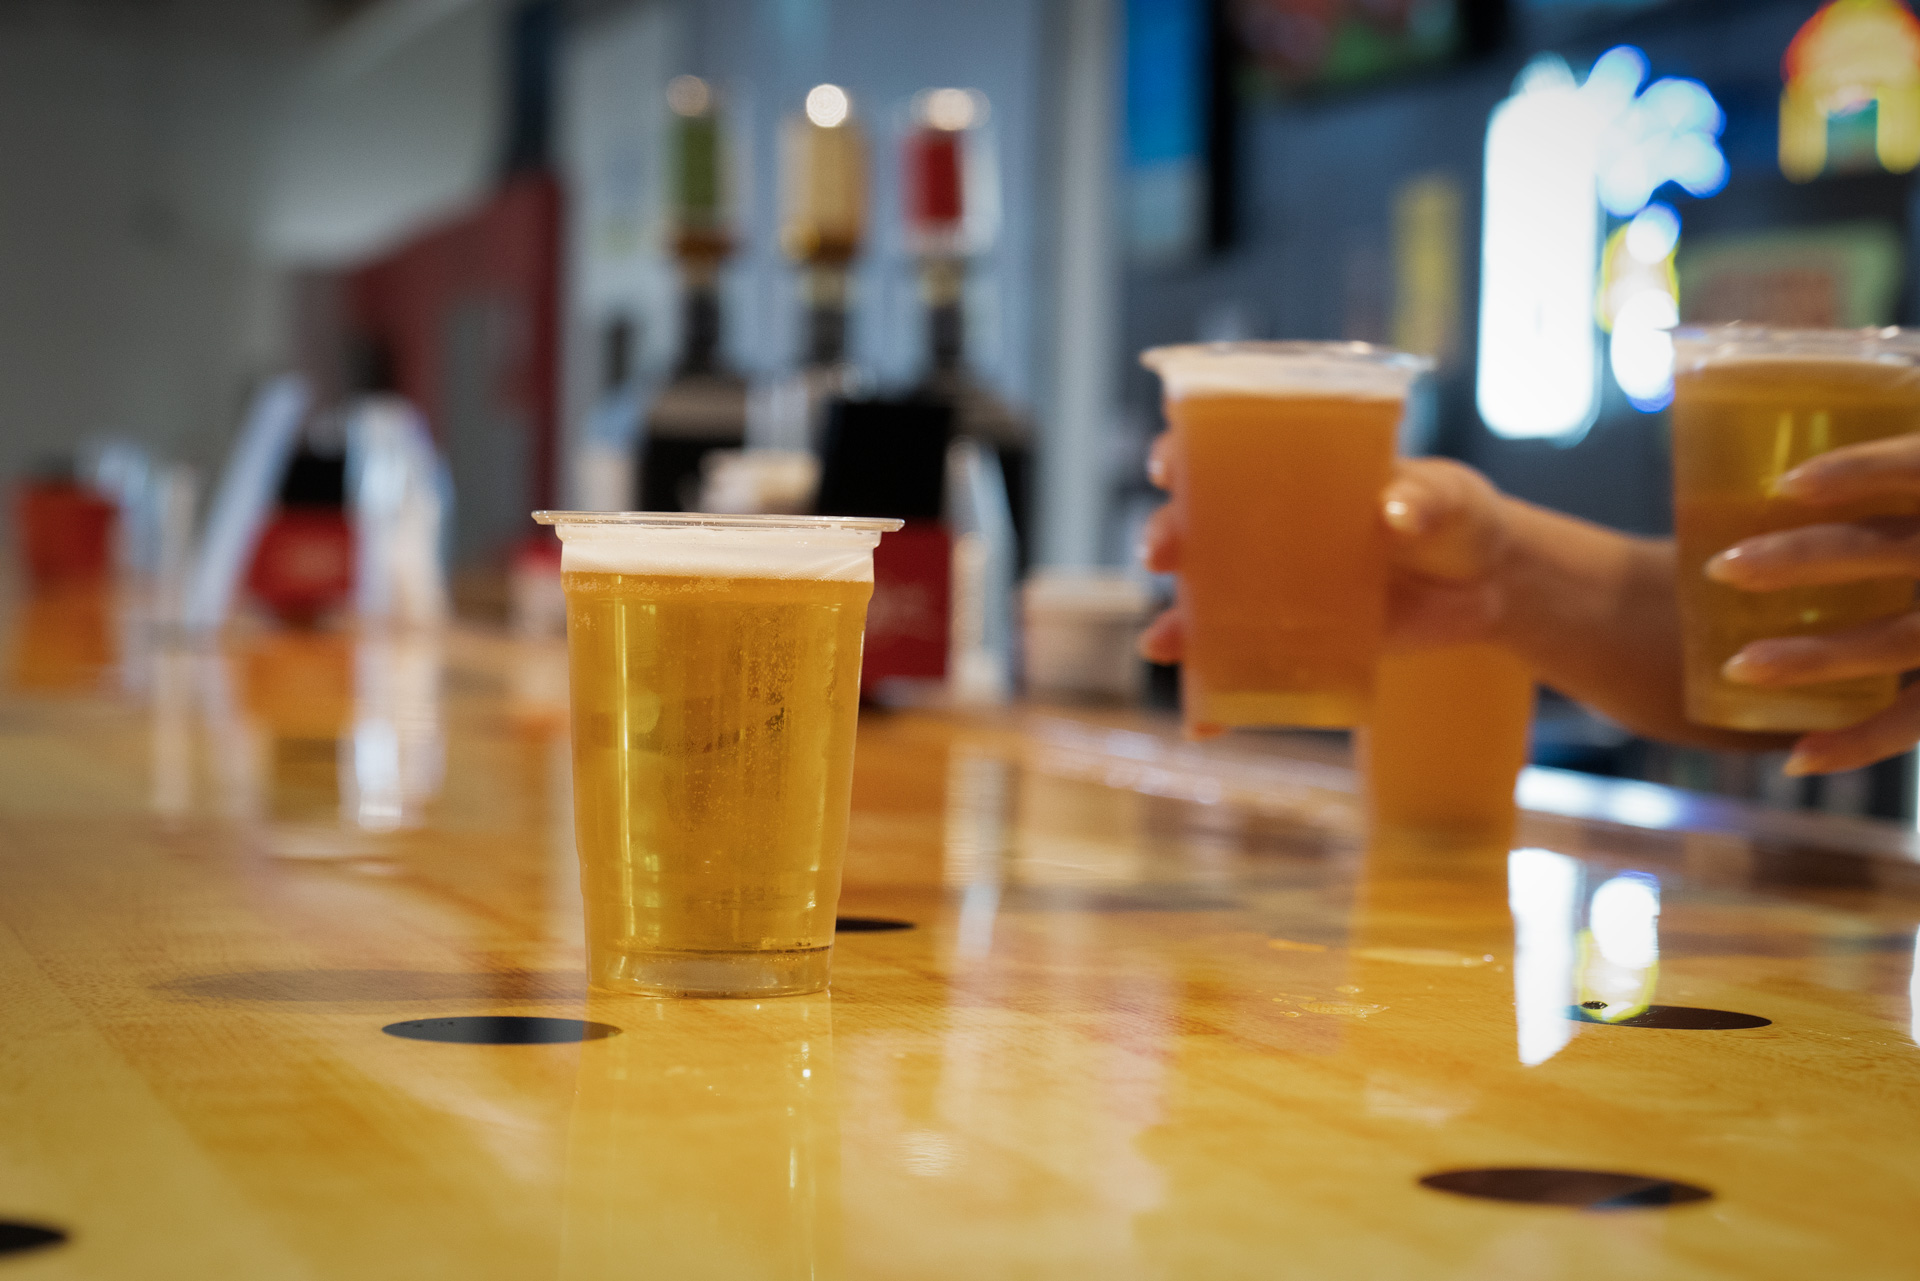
(714, 705)
(1750, 405)
(1281, 452)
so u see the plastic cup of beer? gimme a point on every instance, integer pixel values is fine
(1750, 404)
(715, 678)
(1445, 744)
(1281, 451)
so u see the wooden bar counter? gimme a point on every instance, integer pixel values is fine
(1104, 1005)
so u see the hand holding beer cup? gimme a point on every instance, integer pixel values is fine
(1445, 532)
(1829, 554)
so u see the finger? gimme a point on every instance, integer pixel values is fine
(1164, 640)
(1885, 734)
(1885, 547)
(1444, 517)
(1877, 467)
(1160, 542)
(1885, 648)
(1160, 461)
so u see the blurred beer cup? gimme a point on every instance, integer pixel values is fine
(1281, 451)
(1751, 404)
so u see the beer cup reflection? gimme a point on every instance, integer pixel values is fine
(1444, 745)
(705, 1143)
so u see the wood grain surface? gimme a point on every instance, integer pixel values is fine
(1161, 1014)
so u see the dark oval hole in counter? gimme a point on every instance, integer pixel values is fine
(18, 1238)
(1580, 1189)
(868, 925)
(500, 1029)
(1681, 1018)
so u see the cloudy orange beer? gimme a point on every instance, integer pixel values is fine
(1751, 404)
(1280, 454)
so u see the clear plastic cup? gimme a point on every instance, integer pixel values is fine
(1751, 403)
(715, 675)
(1281, 451)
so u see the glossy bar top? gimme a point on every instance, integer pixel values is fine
(1105, 1005)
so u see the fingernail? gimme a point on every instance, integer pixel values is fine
(1157, 473)
(1717, 567)
(1798, 765)
(1739, 669)
(1789, 481)
(1402, 516)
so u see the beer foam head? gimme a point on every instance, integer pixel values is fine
(1697, 347)
(698, 546)
(1347, 369)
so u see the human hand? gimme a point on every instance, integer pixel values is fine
(1822, 555)
(1446, 538)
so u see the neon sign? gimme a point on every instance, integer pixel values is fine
(1851, 58)
(1559, 151)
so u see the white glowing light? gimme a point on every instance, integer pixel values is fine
(1557, 150)
(1538, 369)
(1913, 991)
(689, 96)
(1670, 133)
(828, 106)
(951, 109)
(1653, 234)
(1542, 891)
(1641, 354)
(1625, 919)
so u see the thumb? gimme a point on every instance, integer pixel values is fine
(1445, 518)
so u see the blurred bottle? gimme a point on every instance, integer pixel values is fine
(64, 529)
(302, 566)
(604, 462)
(951, 211)
(703, 407)
(824, 218)
(400, 493)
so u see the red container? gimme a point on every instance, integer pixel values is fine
(907, 619)
(65, 532)
(303, 567)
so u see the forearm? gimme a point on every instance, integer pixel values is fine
(1594, 611)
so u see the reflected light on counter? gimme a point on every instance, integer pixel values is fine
(979, 796)
(1623, 926)
(1575, 795)
(828, 106)
(1913, 991)
(1543, 893)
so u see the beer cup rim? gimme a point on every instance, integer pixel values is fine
(706, 520)
(1697, 345)
(1358, 353)
(1285, 368)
